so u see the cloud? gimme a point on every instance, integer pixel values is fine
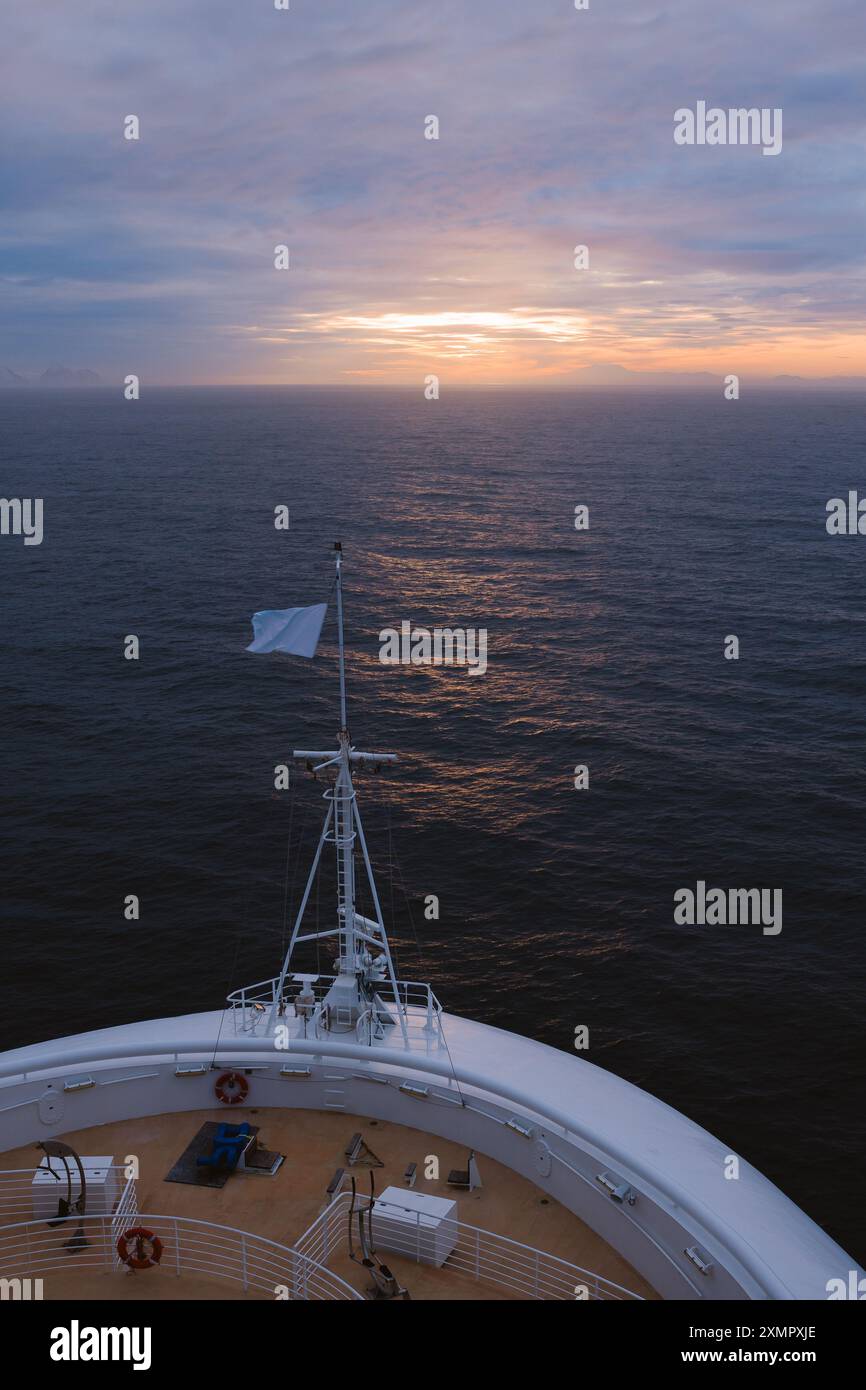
(306, 127)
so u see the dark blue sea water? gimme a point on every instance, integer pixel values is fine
(156, 777)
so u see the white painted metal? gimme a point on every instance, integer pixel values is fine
(18, 1190)
(459, 1247)
(761, 1245)
(100, 1177)
(419, 1223)
(125, 1217)
(364, 959)
(33, 1249)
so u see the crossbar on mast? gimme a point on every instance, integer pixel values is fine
(353, 993)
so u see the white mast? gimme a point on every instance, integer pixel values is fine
(353, 996)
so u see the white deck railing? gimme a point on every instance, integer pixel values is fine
(478, 1254)
(252, 1006)
(19, 1193)
(33, 1249)
(124, 1216)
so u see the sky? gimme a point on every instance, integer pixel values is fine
(409, 256)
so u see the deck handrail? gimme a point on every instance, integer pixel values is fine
(484, 1255)
(18, 1189)
(190, 1245)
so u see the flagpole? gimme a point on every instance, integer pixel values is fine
(353, 993)
(338, 550)
(344, 796)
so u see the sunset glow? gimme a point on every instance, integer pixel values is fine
(410, 255)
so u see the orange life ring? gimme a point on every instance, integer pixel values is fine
(142, 1238)
(232, 1088)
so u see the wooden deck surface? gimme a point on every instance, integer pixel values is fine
(282, 1207)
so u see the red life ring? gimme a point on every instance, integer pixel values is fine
(143, 1238)
(232, 1088)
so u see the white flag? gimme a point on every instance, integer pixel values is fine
(293, 630)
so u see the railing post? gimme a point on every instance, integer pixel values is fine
(477, 1253)
(331, 1220)
(244, 1261)
(298, 1280)
(176, 1249)
(536, 1273)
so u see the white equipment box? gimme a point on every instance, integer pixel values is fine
(415, 1224)
(99, 1175)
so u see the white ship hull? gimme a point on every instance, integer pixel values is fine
(559, 1121)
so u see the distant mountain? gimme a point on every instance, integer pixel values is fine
(70, 376)
(10, 378)
(612, 374)
(816, 383)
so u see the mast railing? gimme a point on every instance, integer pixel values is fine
(254, 1006)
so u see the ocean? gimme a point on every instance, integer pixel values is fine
(155, 777)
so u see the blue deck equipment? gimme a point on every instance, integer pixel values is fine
(226, 1148)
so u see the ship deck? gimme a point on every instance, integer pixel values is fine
(282, 1207)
